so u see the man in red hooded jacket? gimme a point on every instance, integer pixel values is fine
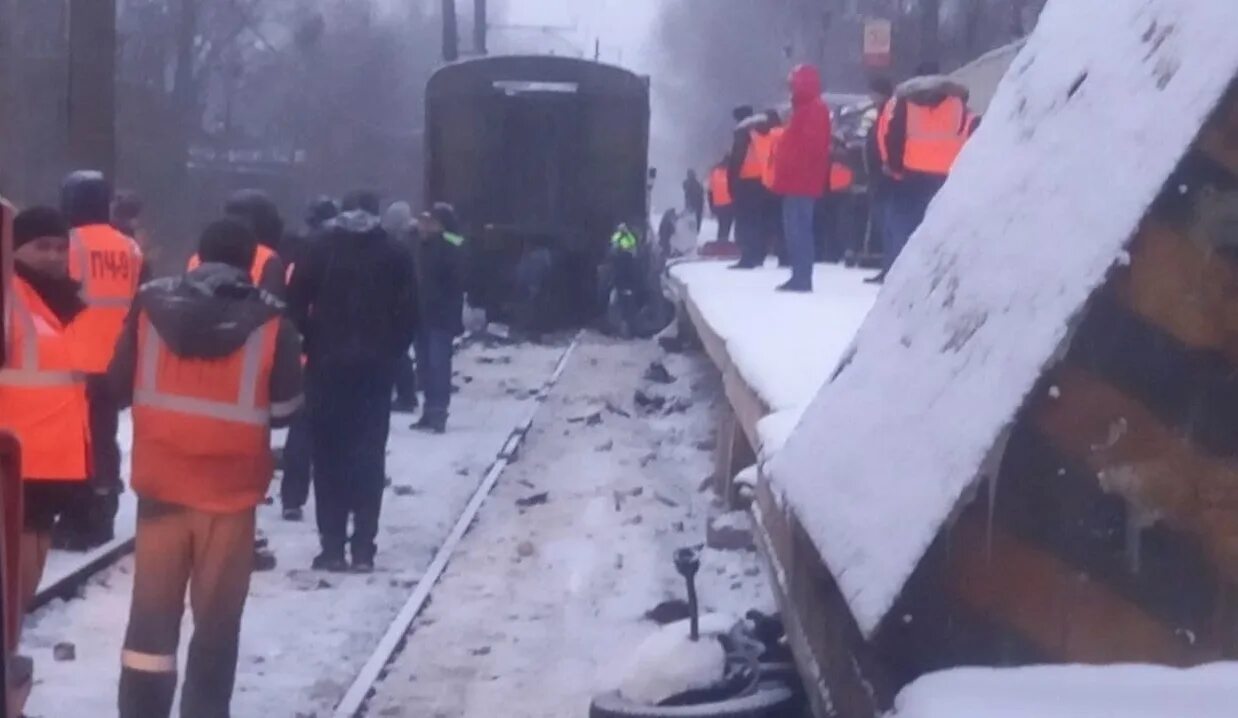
(802, 172)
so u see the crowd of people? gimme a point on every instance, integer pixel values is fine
(263, 329)
(776, 184)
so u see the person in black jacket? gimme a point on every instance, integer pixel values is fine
(353, 295)
(440, 281)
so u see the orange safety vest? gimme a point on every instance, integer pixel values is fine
(43, 391)
(773, 139)
(108, 264)
(201, 428)
(261, 257)
(935, 136)
(760, 147)
(841, 177)
(883, 136)
(720, 187)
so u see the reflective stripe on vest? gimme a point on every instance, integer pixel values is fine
(935, 136)
(245, 410)
(42, 391)
(24, 368)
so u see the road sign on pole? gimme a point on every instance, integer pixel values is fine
(878, 42)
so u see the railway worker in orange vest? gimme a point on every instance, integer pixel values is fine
(42, 385)
(209, 364)
(256, 208)
(721, 204)
(929, 123)
(110, 268)
(749, 160)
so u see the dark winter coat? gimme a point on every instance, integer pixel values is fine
(802, 156)
(439, 263)
(354, 296)
(208, 313)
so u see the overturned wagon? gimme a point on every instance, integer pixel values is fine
(1028, 455)
(543, 157)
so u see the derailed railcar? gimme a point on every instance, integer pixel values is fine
(541, 156)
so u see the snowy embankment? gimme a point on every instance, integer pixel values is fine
(1093, 116)
(1073, 692)
(784, 346)
(306, 634)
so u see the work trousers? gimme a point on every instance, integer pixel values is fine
(298, 462)
(212, 556)
(797, 214)
(406, 381)
(90, 521)
(434, 360)
(350, 410)
(908, 203)
(752, 226)
(726, 220)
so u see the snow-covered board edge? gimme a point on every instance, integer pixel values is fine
(1095, 113)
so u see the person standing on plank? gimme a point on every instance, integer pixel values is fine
(353, 296)
(209, 364)
(801, 172)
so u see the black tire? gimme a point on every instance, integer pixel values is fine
(769, 701)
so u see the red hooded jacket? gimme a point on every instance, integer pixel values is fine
(802, 159)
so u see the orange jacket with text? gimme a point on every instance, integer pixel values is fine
(109, 266)
(43, 391)
(202, 434)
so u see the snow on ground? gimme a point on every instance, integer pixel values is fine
(1073, 692)
(785, 346)
(306, 634)
(542, 605)
(1077, 143)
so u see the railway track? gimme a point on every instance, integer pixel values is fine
(72, 582)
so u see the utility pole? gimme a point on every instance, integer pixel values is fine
(481, 25)
(451, 32)
(930, 30)
(92, 85)
(9, 74)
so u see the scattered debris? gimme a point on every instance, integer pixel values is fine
(64, 652)
(534, 500)
(658, 374)
(636, 520)
(403, 490)
(610, 406)
(706, 445)
(525, 549)
(707, 483)
(608, 446)
(730, 532)
(264, 561)
(648, 402)
(593, 419)
(527, 483)
(666, 501)
(670, 611)
(483, 651)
